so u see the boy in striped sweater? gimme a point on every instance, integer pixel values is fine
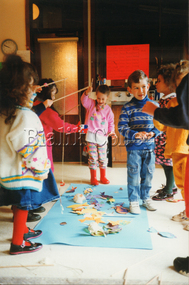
(139, 133)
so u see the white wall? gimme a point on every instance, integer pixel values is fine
(12, 23)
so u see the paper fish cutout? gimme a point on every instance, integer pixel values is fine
(91, 211)
(110, 200)
(75, 206)
(113, 229)
(62, 183)
(91, 200)
(103, 196)
(97, 206)
(95, 230)
(93, 217)
(88, 190)
(63, 223)
(166, 234)
(72, 190)
(121, 210)
(174, 200)
(119, 222)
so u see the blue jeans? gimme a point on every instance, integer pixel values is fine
(140, 169)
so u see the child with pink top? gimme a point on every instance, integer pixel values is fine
(100, 121)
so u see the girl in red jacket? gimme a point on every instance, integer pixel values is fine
(50, 118)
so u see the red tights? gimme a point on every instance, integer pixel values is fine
(19, 225)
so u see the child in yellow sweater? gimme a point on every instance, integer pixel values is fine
(177, 149)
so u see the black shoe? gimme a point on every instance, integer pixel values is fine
(33, 217)
(162, 196)
(163, 190)
(38, 210)
(19, 249)
(175, 190)
(181, 265)
(31, 234)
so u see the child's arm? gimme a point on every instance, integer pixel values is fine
(149, 108)
(159, 126)
(29, 142)
(40, 108)
(85, 100)
(111, 125)
(52, 119)
(123, 125)
(113, 135)
(171, 103)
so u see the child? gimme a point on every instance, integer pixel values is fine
(100, 121)
(50, 118)
(177, 117)
(176, 146)
(33, 215)
(23, 156)
(139, 133)
(164, 86)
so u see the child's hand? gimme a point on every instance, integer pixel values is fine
(48, 103)
(150, 135)
(37, 88)
(141, 135)
(89, 90)
(113, 135)
(149, 108)
(43, 177)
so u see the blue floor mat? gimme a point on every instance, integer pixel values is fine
(134, 233)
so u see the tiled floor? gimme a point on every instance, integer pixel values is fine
(60, 264)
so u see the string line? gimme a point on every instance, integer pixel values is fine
(72, 109)
(47, 84)
(63, 149)
(70, 94)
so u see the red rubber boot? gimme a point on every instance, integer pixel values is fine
(103, 178)
(93, 177)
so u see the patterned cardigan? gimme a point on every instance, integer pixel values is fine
(23, 154)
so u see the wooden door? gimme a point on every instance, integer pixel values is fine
(119, 153)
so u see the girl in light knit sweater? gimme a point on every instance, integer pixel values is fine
(23, 156)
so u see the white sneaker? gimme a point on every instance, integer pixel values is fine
(180, 217)
(134, 208)
(148, 205)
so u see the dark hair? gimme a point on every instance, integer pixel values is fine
(15, 78)
(103, 89)
(166, 71)
(136, 76)
(46, 90)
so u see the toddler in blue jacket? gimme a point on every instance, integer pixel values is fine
(139, 133)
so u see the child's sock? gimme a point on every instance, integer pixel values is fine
(19, 226)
